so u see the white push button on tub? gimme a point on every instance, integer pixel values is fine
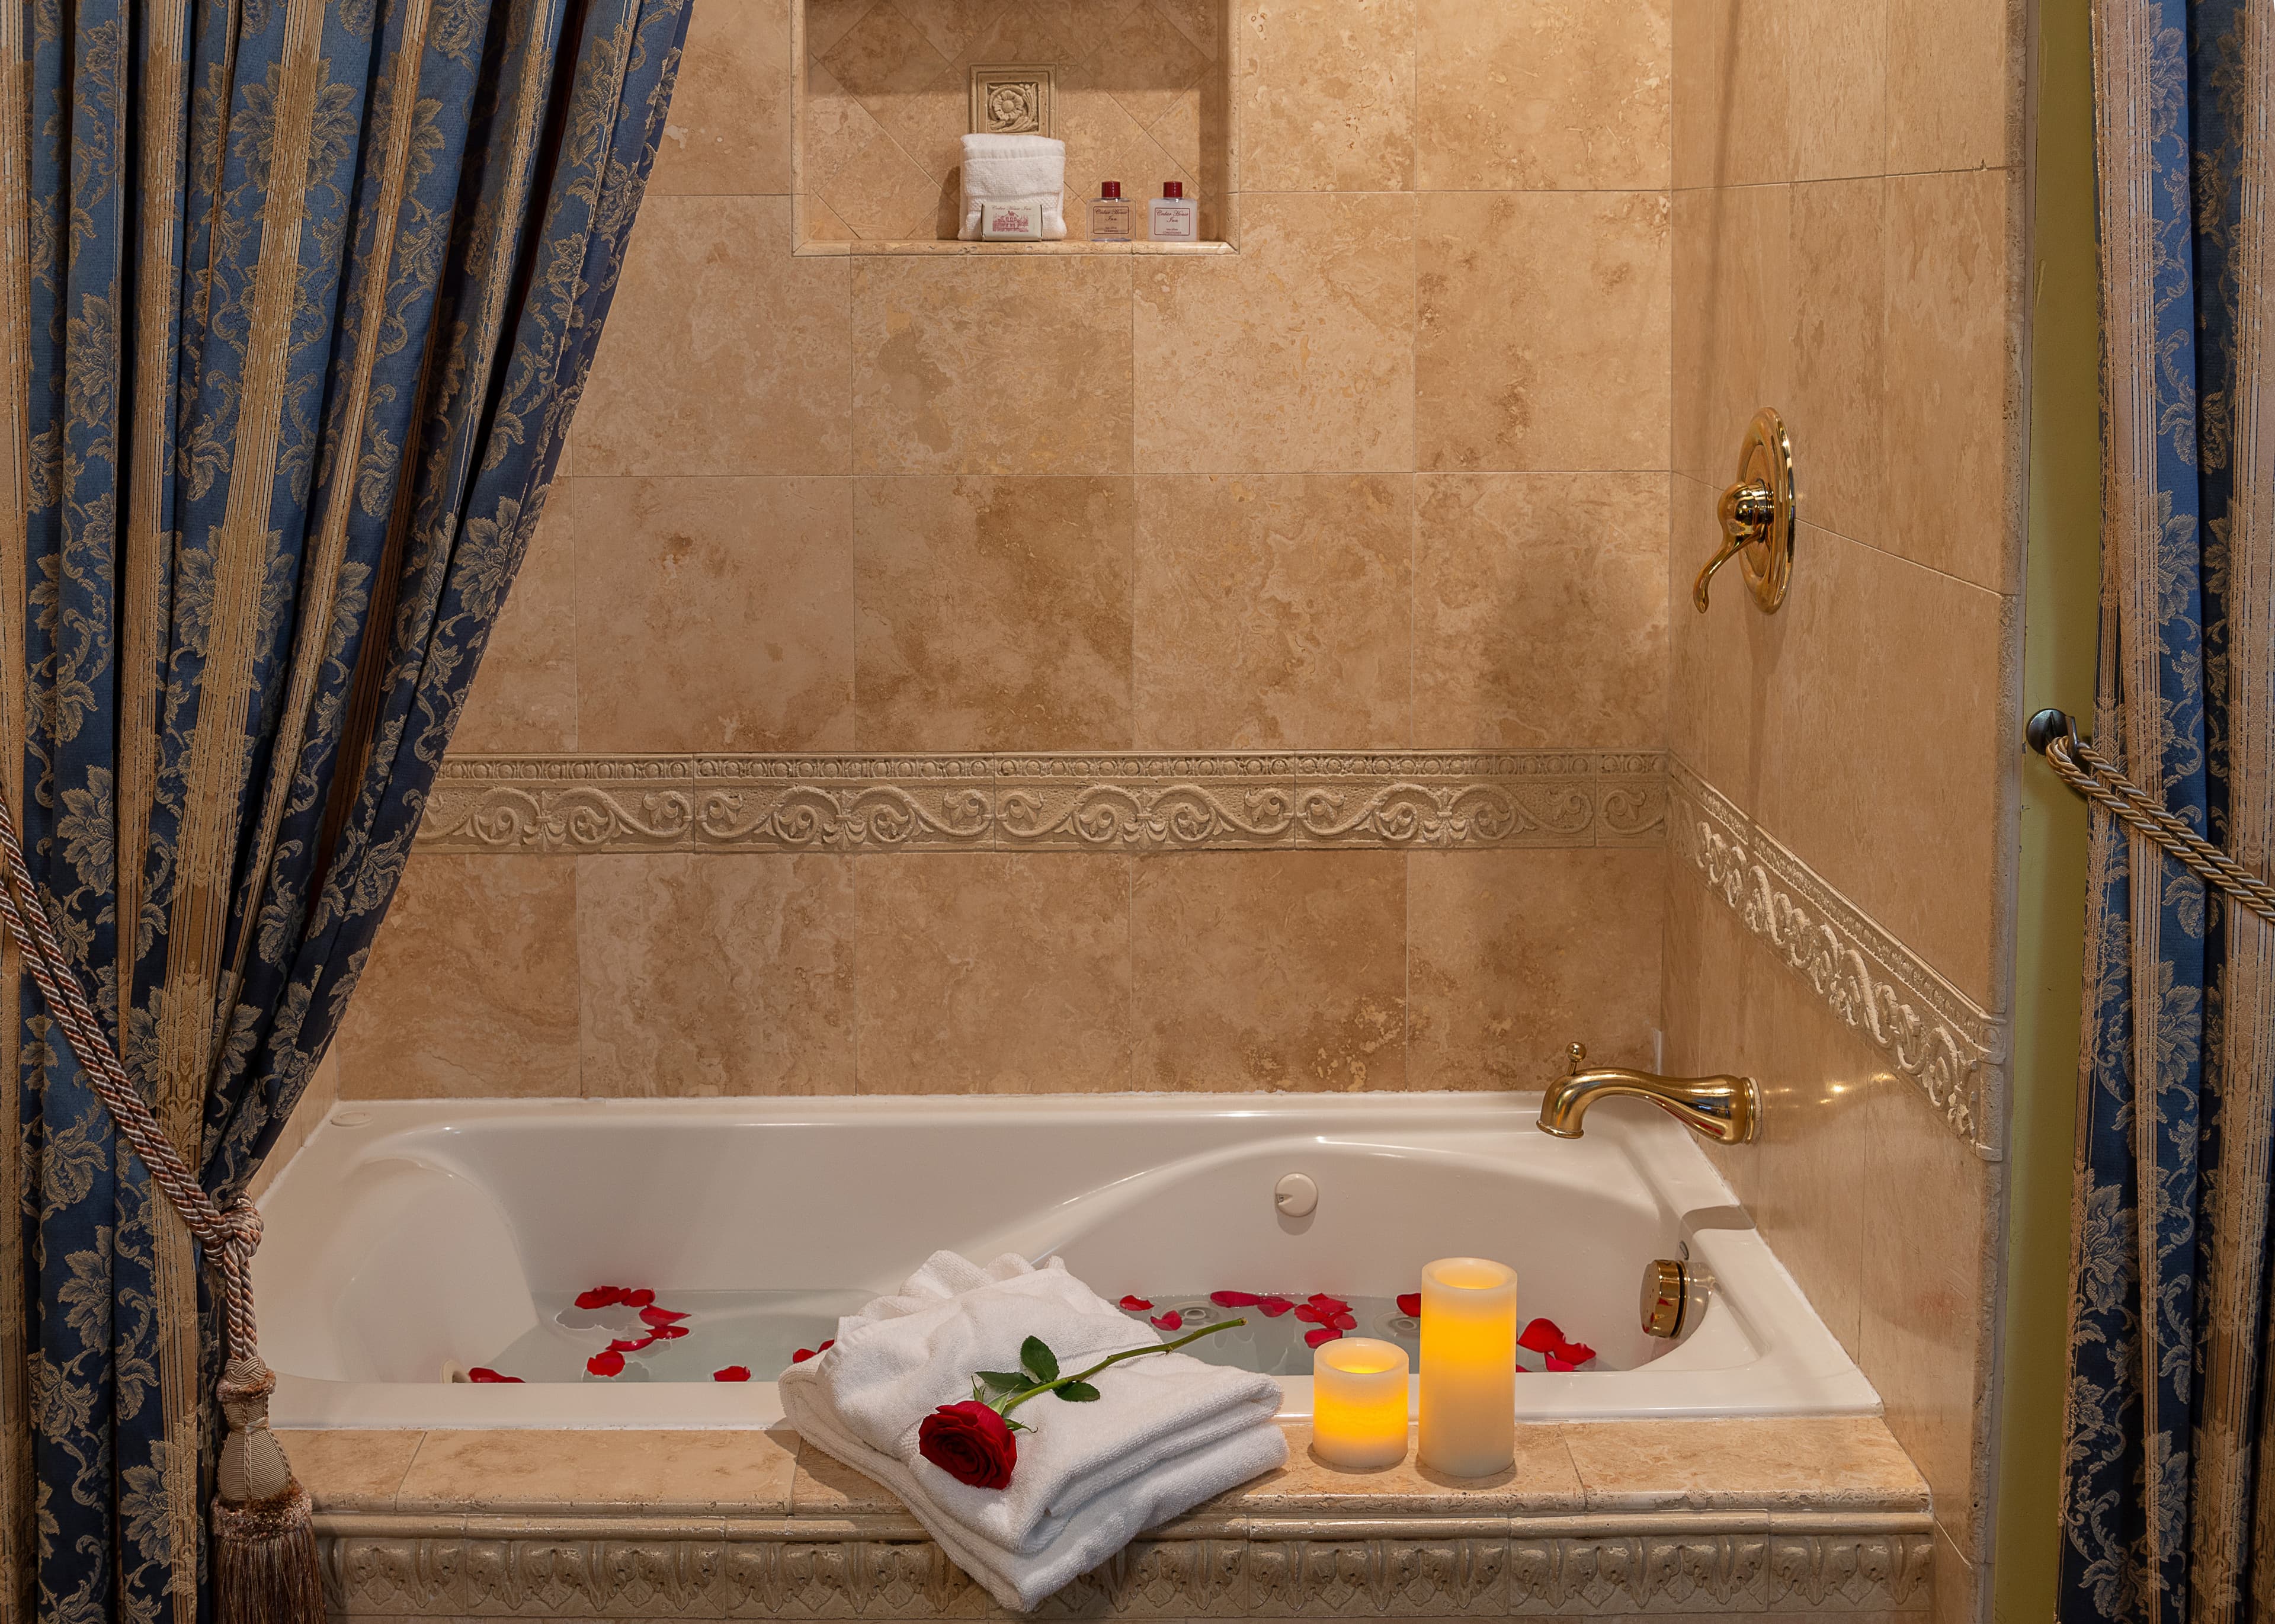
(1296, 1195)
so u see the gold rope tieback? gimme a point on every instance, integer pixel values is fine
(2084, 769)
(265, 1568)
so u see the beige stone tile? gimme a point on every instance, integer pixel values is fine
(1817, 1084)
(1837, 51)
(345, 1470)
(1002, 366)
(1694, 695)
(597, 1470)
(1958, 1584)
(523, 696)
(1541, 1478)
(885, 53)
(1104, 142)
(995, 614)
(715, 614)
(1544, 331)
(1929, 1296)
(1834, 404)
(1731, 114)
(1513, 955)
(1509, 566)
(1326, 98)
(826, 1487)
(1179, 132)
(821, 224)
(1295, 355)
(1954, 84)
(827, 21)
(1203, 22)
(950, 26)
(1270, 970)
(1930, 653)
(470, 989)
(1570, 94)
(729, 132)
(716, 973)
(1733, 326)
(1707, 977)
(722, 353)
(860, 168)
(1782, 1463)
(1272, 611)
(1145, 63)
(1953, 378)
(985, 973)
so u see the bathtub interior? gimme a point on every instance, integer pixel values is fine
(410, 1242)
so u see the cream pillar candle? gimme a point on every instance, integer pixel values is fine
(1468, 1367)
(1358, 1404)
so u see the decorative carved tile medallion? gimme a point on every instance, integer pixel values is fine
(1012, 101)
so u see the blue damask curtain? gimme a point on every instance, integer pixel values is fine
(296, 299)
(2169, 1508)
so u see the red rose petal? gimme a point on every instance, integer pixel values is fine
(1273, 1307)
(482, 1372)
(1410, 1303)
(1541, 1336)
(827, 1346)
(660, 1317)
(1235, 1299)
(1136, 1306)
(802, 1356)
(666, 1334)
(600, 1296)
(638, 1299)
(1171, 1321)
(1554, 1363)
(1311, 1315)
(621, 1346)
(1578, 1353)
(1325, 1334)
(733, 1372)
(607, 1362)
(1345, 1322)
(1332, 1305)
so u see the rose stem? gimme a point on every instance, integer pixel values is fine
(1127, 1353)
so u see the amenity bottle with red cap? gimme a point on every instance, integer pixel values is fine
(1171, 217)
(1113, 217)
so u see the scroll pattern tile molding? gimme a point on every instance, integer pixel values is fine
(1932, 1033)
(588, 804)
(411, 1565)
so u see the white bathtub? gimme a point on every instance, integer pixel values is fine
(411, 1238)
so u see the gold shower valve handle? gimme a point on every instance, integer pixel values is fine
(1758, 515)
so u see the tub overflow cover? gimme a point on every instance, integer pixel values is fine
(1296, 1195)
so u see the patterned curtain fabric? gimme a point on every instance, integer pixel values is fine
(296, 299)
(2169, 1504)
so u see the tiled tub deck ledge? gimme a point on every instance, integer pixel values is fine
(1596, 1520)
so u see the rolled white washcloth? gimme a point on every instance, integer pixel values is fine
(1016, 169)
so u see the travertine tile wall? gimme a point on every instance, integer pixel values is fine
(1394, 475)
(1848, 209)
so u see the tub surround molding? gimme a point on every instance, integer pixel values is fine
(1122, 803)
(1952, 1050)
(419, 1565)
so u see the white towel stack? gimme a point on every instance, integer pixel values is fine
(1023, 171)
(1166, 1432)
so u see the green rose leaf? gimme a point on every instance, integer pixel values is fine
(1041, 1363)
(1077, 1392)
(1007, 1381)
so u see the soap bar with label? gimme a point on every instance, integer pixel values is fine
(1011, 220)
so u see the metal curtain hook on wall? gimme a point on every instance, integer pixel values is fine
(1758, 515)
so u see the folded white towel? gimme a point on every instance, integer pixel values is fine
(1166, 1432)
(1021, 170)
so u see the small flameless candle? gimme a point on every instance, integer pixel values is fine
(1468, 1367)
(1358, 1404)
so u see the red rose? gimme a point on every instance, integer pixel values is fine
(971, 1443)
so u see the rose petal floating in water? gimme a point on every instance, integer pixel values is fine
(600, 1296)
(666, 1334)
(1273, 1307)
(621, 1346)
(1323, 1333)
(1135, 1305)
(1541, 1336)
(733, 1372)
(804, 1354)
(638, 1299)
(1171, 1321)
(482, 1372)
(1235, 1299)
(1410, 1303)
(608, 1362)
(661, 1316)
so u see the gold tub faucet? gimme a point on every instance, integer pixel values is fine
(1727, 1109)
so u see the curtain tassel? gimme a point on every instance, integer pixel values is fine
(264, 1557)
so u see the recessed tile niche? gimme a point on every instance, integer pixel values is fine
(1140, 94)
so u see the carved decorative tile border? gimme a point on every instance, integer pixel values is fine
(590, 804)
(814, 1568)
(1929, 1031)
